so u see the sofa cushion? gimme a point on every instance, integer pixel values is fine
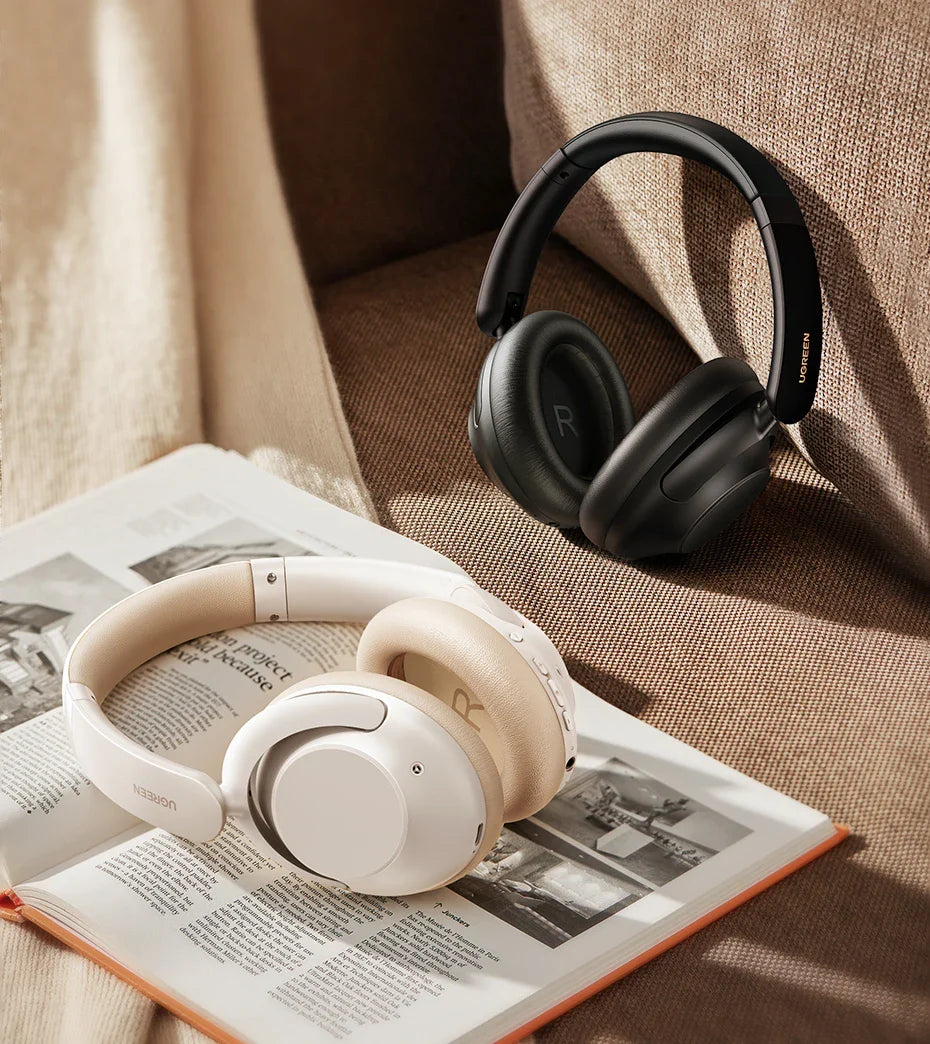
(836, 94)
(790, 648)
(388, 121)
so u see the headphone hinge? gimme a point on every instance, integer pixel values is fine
(765, 419)
(513, 313)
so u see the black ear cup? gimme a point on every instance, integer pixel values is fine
(693, 463)
(551, 406)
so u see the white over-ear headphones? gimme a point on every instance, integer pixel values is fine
(390, 780)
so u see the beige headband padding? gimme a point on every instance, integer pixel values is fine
(470, 742)
(468, 666)
(158, 618)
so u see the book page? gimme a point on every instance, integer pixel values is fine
(198, 507)
(647, 837)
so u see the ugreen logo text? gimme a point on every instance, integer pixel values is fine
(156, 799)
(805, 352)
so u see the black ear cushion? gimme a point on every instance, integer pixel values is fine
(654, 435)
(554, 347)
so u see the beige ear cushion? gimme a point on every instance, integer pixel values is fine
(476, 752)
(158, 618)
(468, 666)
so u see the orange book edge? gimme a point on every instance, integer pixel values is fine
(12, 908)
(842, 832)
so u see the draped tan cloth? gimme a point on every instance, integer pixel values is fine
(152, 295)
(151, 287)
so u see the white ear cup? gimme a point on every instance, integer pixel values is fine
(335, 808)
(389, 805)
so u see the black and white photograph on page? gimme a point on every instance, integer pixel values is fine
(612, 836)
(236, 540)
(42, 610)
(549, 888)
(643, 826)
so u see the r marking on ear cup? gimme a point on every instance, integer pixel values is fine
(444, 649)
(551, 406)
(466, 706)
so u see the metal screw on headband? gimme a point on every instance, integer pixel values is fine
(271, 577)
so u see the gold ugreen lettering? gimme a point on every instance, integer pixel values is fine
(805, 352)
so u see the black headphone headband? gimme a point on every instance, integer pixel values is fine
(798, 333)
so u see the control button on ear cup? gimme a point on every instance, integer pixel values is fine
(696, 443)
(551, 406)
(472, 669)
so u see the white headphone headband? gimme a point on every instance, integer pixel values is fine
(201, 602)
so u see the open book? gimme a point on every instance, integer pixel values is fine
(648, 842)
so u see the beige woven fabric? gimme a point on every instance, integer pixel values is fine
(50, 993)
(152, 295)
(791, 648)
(151, 287)
(836, 93)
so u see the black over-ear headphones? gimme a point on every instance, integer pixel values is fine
(552, 423)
